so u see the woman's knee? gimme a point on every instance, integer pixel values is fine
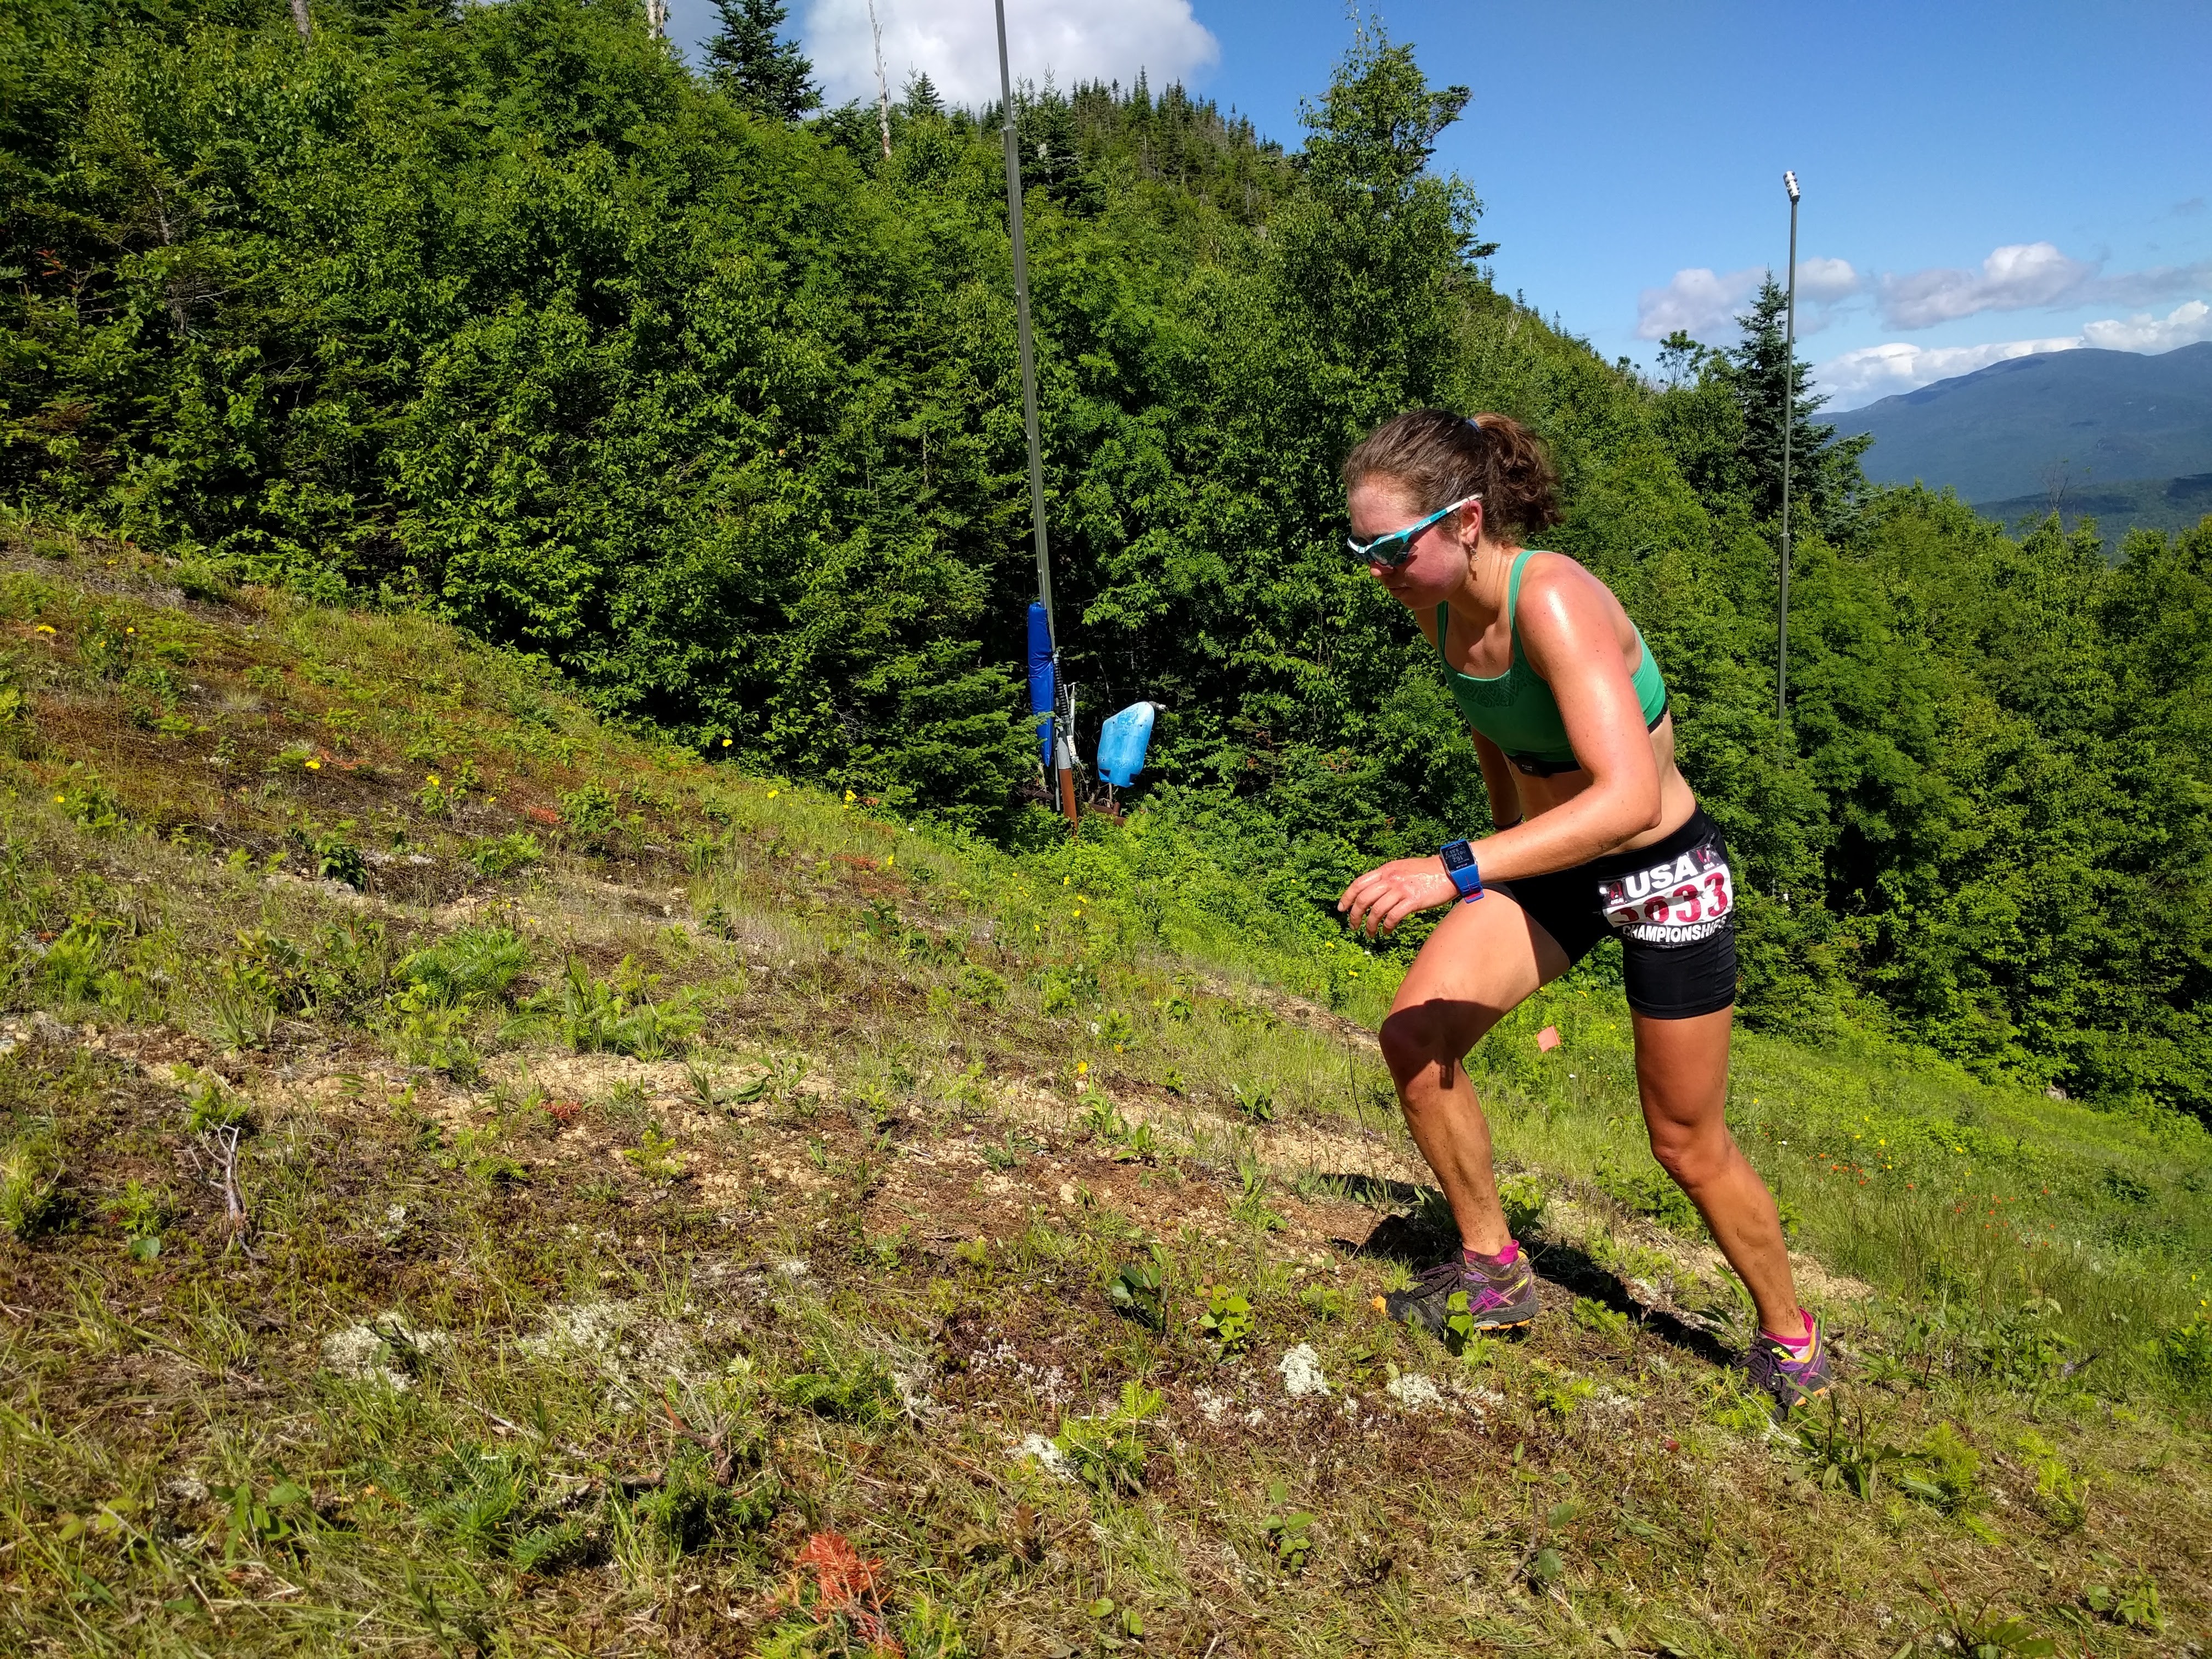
(1692, 1159)
(1422, 1044)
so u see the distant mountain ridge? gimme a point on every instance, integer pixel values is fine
(2165, 504)
(2088, 421)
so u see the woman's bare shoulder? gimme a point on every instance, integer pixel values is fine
(1560, 586)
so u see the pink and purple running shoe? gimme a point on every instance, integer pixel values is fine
(1500, 1295)
(1792, 1372)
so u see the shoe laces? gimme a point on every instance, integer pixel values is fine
(1447, 1275)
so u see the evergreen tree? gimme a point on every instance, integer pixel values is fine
(922, 97)
(1825, 473)
(767, 76)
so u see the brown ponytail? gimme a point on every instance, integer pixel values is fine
(1440, 457)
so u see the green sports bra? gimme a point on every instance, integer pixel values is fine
(1517, 711)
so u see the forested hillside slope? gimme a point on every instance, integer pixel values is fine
(501, 312)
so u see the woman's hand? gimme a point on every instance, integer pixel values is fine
(1388, 894)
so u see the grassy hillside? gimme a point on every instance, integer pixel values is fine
(474, 1182)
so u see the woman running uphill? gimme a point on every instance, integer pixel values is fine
(1598, 834)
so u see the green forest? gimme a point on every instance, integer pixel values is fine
(505, 313)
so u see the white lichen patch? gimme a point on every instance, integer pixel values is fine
(1046, 1455)
(388, 1349)
(912, 1382)
(1210, 1407)
(1302, 1373)
(625, 1341)
(1415, 1392)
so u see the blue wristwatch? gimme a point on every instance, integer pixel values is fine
(1460, 866)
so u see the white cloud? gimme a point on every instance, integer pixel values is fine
(1704, 304)
(1881, 371)
(1698, 301)
(2184, 325)
(2147, 288)
(1826, 281)
(2012, 278)
(955, 43)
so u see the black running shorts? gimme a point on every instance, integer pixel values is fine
(1671, 904)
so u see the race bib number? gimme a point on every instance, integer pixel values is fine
(1678, 903)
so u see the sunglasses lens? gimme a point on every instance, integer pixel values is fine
(1384, 549)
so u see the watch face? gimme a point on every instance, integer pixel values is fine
(1457, 855)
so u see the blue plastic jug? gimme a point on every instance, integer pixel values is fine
(1122, 742)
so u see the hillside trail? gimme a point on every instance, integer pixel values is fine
(785, 1183)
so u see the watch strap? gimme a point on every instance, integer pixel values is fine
(1466, 875)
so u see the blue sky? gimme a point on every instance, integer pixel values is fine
(1979, 180)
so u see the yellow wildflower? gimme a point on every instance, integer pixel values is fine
(314, 766)
(1082, 1066)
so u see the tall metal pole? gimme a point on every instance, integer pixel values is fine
(1788, 432)
(1063, 744)
(1022, 325)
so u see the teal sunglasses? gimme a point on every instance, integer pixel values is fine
(1395, 548)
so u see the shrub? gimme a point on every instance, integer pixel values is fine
(442, 793)
(1137, 1291)
(2186, 1354)
(502, 855)
(74, 964)
(90, 805)
(1227, 1321)
(1106, 1451)
(427, 1030)
(31, 1202)
(852, 1391)
(468, 965)
(1253, 1102)
(1651, 1194)
(595, 1015)
(1523, 1195)
(589, 813)
(2023, 1349)
(2133, 1602)
(269, 971)
(1290, 1534)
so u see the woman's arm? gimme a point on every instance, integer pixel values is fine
(1498, 781)
(1569, 628)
